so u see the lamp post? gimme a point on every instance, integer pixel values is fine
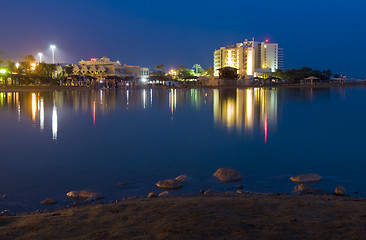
(53, 47)
(40, 57)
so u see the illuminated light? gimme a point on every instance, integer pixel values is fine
(151, 96)
(93, 59)
(144, 80)
(40, 56)
(144, 98)
(53, 47)
(267, 40)
(17, 65)
(33, 66)
(2, 71)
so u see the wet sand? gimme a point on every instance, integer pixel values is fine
(248, 216)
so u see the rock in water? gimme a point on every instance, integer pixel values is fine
(84, 195)
(169, 184)
(184, 179)
(340, 191)
(305, 189)
(49, 201)
(228, 175)
(164, 194)
(304, 178)
(151, 195)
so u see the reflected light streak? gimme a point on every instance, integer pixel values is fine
(41, 115)
(144, 98)
(54, 122)
(128, 96)
(151, 100)
(249, 108)
(265, 129)
(94, 110)
(34, 108)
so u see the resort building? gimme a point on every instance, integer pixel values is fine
(251, 58)
(101, 68)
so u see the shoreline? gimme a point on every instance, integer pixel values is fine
(82, 88)
(216, 216)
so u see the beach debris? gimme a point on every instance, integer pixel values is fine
(184, 179)
(169, 184)
(84, 195)
(49, 201)
(304, 178)
(164, 194)
(151, 195)
(228, 175)
(306, 189)
(5, 213)
(340, 191)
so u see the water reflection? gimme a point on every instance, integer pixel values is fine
(244, 111)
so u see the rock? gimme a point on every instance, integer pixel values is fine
(240, 191)
(49, 201)
(164, 194)
(169, 184)
(151, 195)
(5, 213)
(210, 192)
(202, 191)
(240, 187)
(304, 178)
(340, 191)
(228, 175)
(84, 195)
(184, 179)
(306, 189)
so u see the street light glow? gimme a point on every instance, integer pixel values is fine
(2, 71)
(40, 56)
(53, 47)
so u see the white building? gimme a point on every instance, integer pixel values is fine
(250, 57)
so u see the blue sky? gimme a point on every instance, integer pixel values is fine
(319, 34)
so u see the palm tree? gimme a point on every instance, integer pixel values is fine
(160, 66)
(197, 67)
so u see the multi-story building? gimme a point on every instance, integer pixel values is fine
(104, 67)
(251, 58)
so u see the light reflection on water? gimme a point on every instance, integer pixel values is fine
(93, 139)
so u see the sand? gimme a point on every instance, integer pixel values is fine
(247, 216)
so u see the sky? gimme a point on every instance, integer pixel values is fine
(321, 34)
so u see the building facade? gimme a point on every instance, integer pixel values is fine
(251, 58)
(104, 67)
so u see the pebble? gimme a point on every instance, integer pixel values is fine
(304, 178)
(184, 179)
(151, 195)
(340, 191)
(169, 184)
(228, 175)
(164, 194)
(84, 195)
(49, 201)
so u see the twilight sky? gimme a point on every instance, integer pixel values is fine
(322, 34)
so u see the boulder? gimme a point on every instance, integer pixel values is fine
(169, 184)
(164, 194)
(304, 178)
(49, 201)
(306, 189)
(151, 195)
(184, 179)
(228, 175)
(84, 195)
(340, 191)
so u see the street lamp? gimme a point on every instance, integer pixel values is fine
(53, 47)
(40, 57)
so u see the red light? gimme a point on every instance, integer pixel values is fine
(267, 40)
(93, 59)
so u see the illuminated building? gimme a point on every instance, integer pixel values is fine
(104, 67)
(251, 57)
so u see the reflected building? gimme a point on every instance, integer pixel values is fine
(246, 110)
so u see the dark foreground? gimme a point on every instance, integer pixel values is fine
(198, 217)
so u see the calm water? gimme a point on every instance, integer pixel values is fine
(55, 142)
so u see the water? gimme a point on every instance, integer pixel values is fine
(55, 142)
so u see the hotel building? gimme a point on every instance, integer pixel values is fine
(251, 58)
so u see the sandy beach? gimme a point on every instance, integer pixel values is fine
(224, 216)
